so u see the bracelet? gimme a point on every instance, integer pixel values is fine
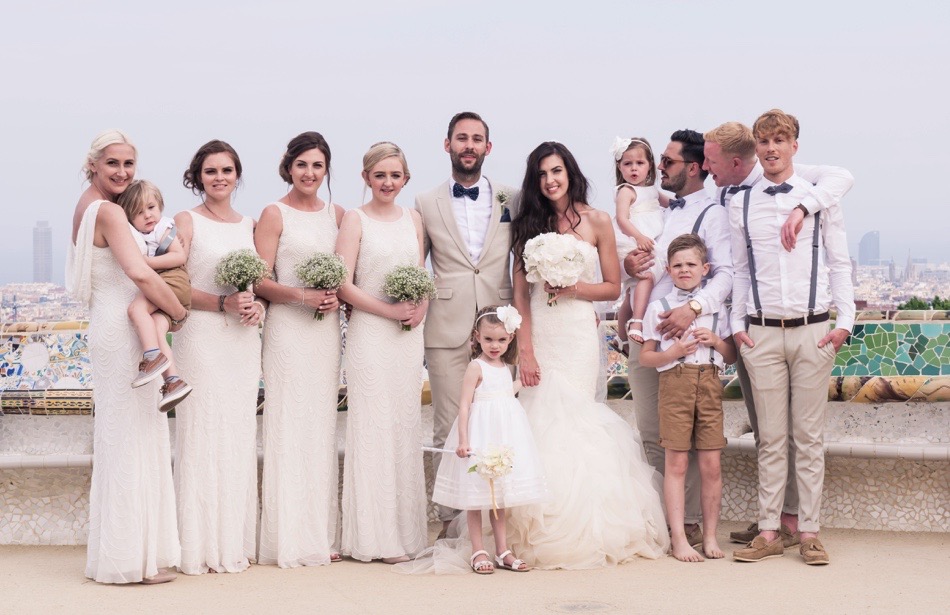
(804, 209)
(178, 323)
(303, 296)
(574, 296)
(263, 309)
(221, 299)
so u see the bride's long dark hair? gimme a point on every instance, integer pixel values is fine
(536, 213)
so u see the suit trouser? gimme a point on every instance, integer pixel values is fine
(791, 488)
(446, 369)
(789, 376)
(644, 389)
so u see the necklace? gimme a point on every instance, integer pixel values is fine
(211, 211)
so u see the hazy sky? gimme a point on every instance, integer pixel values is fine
(867, 83)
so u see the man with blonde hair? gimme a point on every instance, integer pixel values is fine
(730, 158)
(781, 302)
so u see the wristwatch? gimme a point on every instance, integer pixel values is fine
(696, 306)
(803, 209)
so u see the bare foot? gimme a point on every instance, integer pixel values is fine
(335, 557)
(711, 548)
(685, 553)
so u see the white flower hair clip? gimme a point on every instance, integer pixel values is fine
(509, 317)
(619, 147)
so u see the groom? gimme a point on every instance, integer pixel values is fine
(467, 223)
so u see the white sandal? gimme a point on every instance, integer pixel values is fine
(483, 567)
(635, 335)
(516, 565)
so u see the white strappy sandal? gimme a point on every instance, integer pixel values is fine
(483, 567)
(635, 335)
(516, 565)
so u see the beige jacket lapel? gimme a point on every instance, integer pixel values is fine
(444, 204)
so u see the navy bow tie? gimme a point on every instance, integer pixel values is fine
(458, 191)
(735, 189)
(674, 203)
(782, 188)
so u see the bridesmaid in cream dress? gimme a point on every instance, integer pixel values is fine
(383, 483)
(299, 517)
(219, 352)
(132, 528)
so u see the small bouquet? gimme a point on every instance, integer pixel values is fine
(241, 269)
(491, 463)
(409, 283)
(322, 270)
(554, 258)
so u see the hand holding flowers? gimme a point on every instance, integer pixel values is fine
(409, 283)
(491, 463)
(323, 271)
(555, 259)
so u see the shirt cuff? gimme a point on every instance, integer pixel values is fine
(811, 204)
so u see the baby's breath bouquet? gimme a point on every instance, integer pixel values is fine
(554, 258)
(241, 269)
(491, 463)
(322, 270)
(409, 283)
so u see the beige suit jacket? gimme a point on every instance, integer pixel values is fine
(464, 287)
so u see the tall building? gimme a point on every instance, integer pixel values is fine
(869, 249)
(42, 252)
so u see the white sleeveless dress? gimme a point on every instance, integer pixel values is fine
(496, 419)
(132, 527)
(605, 505)
(299, 507)
(384, 497)
(646, 214)
(216, 426)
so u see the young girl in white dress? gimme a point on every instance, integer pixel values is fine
(639, 221)
(490, 418)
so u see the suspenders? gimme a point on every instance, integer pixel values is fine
(699, 220)
(813, 291)
(715, 325)
(163, 247)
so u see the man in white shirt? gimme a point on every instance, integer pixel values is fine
(692, 211)
(781, 302)
(731, 160)
(467, 223)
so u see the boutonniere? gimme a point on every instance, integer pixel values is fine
(503, 198)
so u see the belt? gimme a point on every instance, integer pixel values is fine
(788, 323)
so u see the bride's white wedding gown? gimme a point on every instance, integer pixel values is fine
(604, 506)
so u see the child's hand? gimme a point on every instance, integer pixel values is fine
(706, 337)
(463, 451)
(684, 345)
(644, 243)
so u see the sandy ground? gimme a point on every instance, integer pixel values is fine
(871, 572)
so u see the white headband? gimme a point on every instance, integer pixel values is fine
(508, 316)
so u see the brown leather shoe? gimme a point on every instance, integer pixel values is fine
(814, 552)
(694, 535)
(759, 550)
(172, 393)
(746, 536)
(150, 370)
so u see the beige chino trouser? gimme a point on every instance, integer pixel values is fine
(789, 376)
(644, 391)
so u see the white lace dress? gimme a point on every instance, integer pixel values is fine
(384, 495)
(132, 527)
(301, 381)
(605, 505)
(216, 426)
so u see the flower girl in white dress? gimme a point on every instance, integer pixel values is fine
(491, 438)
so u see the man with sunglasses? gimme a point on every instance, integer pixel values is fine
(692, 211)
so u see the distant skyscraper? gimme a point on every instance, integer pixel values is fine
(869, 249)
(42, 252)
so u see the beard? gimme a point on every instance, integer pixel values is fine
(459, 168)
(674, 183)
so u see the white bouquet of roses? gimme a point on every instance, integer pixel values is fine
(491, 463)
(554, 258)
(241, 269)
(409, 283)
(322, 270)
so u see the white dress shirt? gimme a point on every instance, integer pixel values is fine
(153, 239)
(714, 231)
(473, 217)
(830, 184)
(704, 354)
(783, 277)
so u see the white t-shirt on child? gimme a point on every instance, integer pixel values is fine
(154, 238)
(716, 321)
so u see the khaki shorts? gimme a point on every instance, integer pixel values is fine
(690, 408)
(180, 283)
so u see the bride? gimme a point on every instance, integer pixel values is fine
(605, 506)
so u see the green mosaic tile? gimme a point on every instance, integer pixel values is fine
(931, 329)
(930, 370)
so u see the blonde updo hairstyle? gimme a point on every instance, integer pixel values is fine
(103, 140)
(381, 151)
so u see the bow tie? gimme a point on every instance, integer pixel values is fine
(674, 203)
(782, 188)
(735, 189)
(683, 295)
(458, 192)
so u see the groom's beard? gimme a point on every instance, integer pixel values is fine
(463, 172)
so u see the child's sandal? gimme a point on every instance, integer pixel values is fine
(635, 335)
(483, 567)
(516, 565)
